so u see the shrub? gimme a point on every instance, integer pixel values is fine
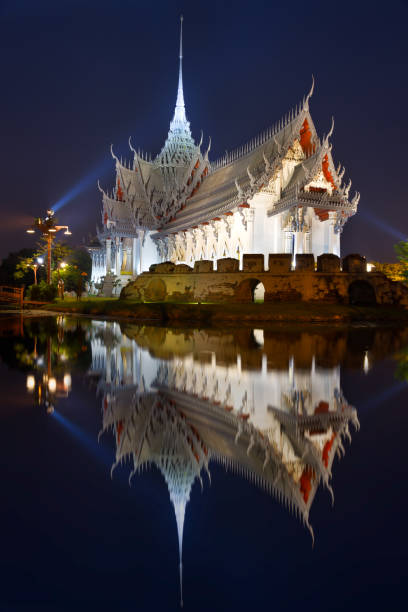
(42, 292)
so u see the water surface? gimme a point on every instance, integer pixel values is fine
(235, 469)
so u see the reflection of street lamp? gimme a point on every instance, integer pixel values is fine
(30, 383)
(46, 386)
(48, 228)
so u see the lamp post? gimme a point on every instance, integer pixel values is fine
(35, 267)
(60, 267)
(48, 229)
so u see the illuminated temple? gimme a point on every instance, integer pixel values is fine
(179, 402)
(278, 193)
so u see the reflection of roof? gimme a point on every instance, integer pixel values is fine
(180, 434)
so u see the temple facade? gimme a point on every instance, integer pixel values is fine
(278, 193)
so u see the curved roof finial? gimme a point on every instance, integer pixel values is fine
(309, 95)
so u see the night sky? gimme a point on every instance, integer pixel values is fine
(78, 75)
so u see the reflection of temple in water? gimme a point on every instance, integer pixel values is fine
(180, 400)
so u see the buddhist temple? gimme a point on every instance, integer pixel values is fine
(279, 193)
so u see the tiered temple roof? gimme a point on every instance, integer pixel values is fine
(180, 188)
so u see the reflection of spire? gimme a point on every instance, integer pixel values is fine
(178, 424)
(151, 430)
(180, 511)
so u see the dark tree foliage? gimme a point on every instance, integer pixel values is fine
(401, 250)
(9, 265)
(78, 268)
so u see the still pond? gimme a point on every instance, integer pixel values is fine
(227, 469)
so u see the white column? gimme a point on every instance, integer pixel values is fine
(108, 256)
(118, 256)
(332, 235)
(134, 258)
(288, 242)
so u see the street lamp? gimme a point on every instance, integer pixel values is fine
(48, 228)
(35, 267)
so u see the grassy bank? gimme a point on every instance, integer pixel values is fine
(211, 314)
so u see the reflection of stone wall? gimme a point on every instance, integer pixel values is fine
(325, 348)
(166, 282)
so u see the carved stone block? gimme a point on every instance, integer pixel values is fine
(354, 263)
(204, 265)
(253, 263)
(228, 264)
(165, 267)
(305, 262)
(328, 263)
(183, 269)
(280, 263)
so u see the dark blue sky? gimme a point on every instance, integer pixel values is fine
(80, 75)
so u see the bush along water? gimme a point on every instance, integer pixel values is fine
(42, 292)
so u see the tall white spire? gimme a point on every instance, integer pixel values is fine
(179, 147)
(180, 95)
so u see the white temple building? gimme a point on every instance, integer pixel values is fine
(278, 193)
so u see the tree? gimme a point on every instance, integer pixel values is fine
(77, 270)
(9, 266)
(393, 271)
(60, 251)
(401, 250)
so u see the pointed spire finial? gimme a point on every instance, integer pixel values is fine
(181, 37)
(180, 95)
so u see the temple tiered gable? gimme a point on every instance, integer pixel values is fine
(279, 193)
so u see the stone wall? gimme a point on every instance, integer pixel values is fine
(180, 283)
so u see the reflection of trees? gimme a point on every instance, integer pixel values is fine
(46, 340)
(401, 371)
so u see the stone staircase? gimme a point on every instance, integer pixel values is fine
(110, 287)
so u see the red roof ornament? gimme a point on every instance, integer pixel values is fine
(119, 192)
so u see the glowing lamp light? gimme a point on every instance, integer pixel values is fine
(30, 383)
(30, 231)
(52, 229)
(52, 385)
(63, 265)
(366, 363)
(67, 381)
(67, 233)
(40, 260)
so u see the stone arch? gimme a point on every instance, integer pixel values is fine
(361, 293)
(250, 290)
(259, 293)
(156, 290)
